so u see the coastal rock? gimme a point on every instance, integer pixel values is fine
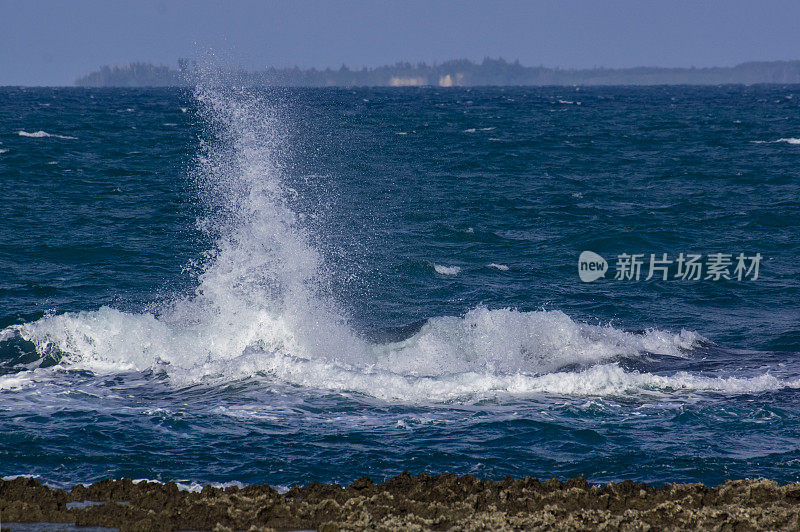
(407, 502)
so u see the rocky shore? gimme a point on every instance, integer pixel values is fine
(408, 502)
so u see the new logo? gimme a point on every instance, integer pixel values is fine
(591, 266)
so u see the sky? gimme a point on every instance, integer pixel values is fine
(52, 42)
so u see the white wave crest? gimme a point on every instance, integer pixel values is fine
(447, 270)
(43, 134)
(484, 352)
(787, 140)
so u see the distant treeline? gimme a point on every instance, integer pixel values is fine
(460, 72)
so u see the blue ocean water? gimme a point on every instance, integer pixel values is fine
(286, 286)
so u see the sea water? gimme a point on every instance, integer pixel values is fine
(222, 285)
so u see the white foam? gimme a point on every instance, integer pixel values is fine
(43, 134)
(191, 486)
(501, 267)
(16, 381)
(612, 380)
(196, 487)
(12, 477)
(484, 352)
(787, 140)
(447, 270)
(470, 130)
(3, 151)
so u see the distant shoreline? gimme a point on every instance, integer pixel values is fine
(406, 502)
(456, 73)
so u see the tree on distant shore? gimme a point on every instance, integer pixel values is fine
(457, 72)
(132, 75)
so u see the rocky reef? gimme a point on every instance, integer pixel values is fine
(406, 502)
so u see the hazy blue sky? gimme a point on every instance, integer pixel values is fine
(51, 42)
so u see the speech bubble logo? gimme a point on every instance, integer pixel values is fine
(591, 266)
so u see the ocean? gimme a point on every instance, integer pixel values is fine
(285, 286)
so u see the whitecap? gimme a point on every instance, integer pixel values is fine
(501, 267)
(43, 134)
(484, 353)
(787, 140)
(447, 270)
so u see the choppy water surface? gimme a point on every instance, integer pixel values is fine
(315, 285)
